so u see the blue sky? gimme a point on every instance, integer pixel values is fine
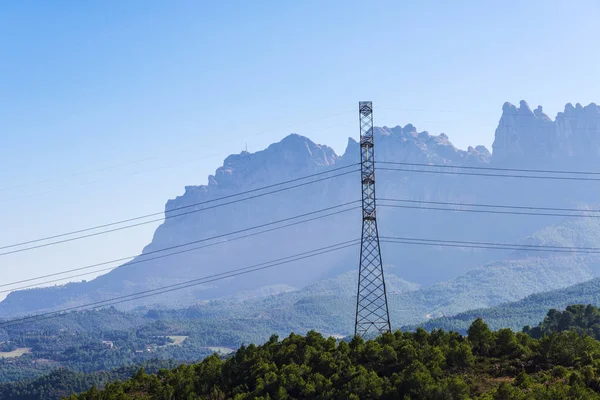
(108, 109)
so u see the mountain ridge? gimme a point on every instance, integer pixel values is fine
(523, 133)
(296, 156)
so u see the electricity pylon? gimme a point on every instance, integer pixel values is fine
(372, 313)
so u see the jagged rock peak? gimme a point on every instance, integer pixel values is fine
(408, 131)
(527, 136)
(408, 144)
(523, 109)
(293, 156)
(350, 148)
(293, 144)
(590, 110)
(539, 112)
(483, 150)
(509, 108)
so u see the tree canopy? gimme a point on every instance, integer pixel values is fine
(412, 365)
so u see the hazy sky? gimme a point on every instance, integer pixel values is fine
(108, 109)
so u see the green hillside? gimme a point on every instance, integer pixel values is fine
(75, 340)
(420, 365)
(528, 311)
(63, 382)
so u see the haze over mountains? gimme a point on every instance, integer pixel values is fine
(442, 280)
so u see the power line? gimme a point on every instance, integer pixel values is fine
(490, 205)
(466, 245)
(297, 257)
(428, 121)
(489, 211)
(183, 285)
(167, 216)
(185, 244)
(157, 257)
(503, 246)
(563, 178)
(440, 244)
(540, 171)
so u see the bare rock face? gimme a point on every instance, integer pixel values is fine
(406, 144)
(531, 137)
(578, 131)
(292, 157)
(280, 161)
(523, 133)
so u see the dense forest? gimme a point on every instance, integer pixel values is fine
(62, 382)
(576, 318)
(559, 359)
(562, 363)
(76, 340)
(99, 340)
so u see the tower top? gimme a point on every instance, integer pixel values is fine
(365, 107)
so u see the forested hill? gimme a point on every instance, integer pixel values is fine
(528, 311)
(62, 382)
(420, 365)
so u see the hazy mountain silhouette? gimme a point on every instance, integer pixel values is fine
(523, 139)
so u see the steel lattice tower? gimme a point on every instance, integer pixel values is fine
(371, 304)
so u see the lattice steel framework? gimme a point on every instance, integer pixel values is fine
(372, 315)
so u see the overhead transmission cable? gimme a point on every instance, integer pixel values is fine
(431, 205)
(431, 170)
(224, 235)
(490, 205)
(161, 256)
(472, 167)
(540, 214)
(186, 284)
(489, 245)
(422, 171)
(297, 257)
(168, 216)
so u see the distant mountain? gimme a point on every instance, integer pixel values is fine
(328, 306)
(531, 137)
(523, 138)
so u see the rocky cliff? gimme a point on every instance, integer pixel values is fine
(293, 157)
(526, 136)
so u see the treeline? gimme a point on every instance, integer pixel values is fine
(555, 359)
(63, 382)
(80, 342)
(577, 318)
(515, 315)
(416, 365)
